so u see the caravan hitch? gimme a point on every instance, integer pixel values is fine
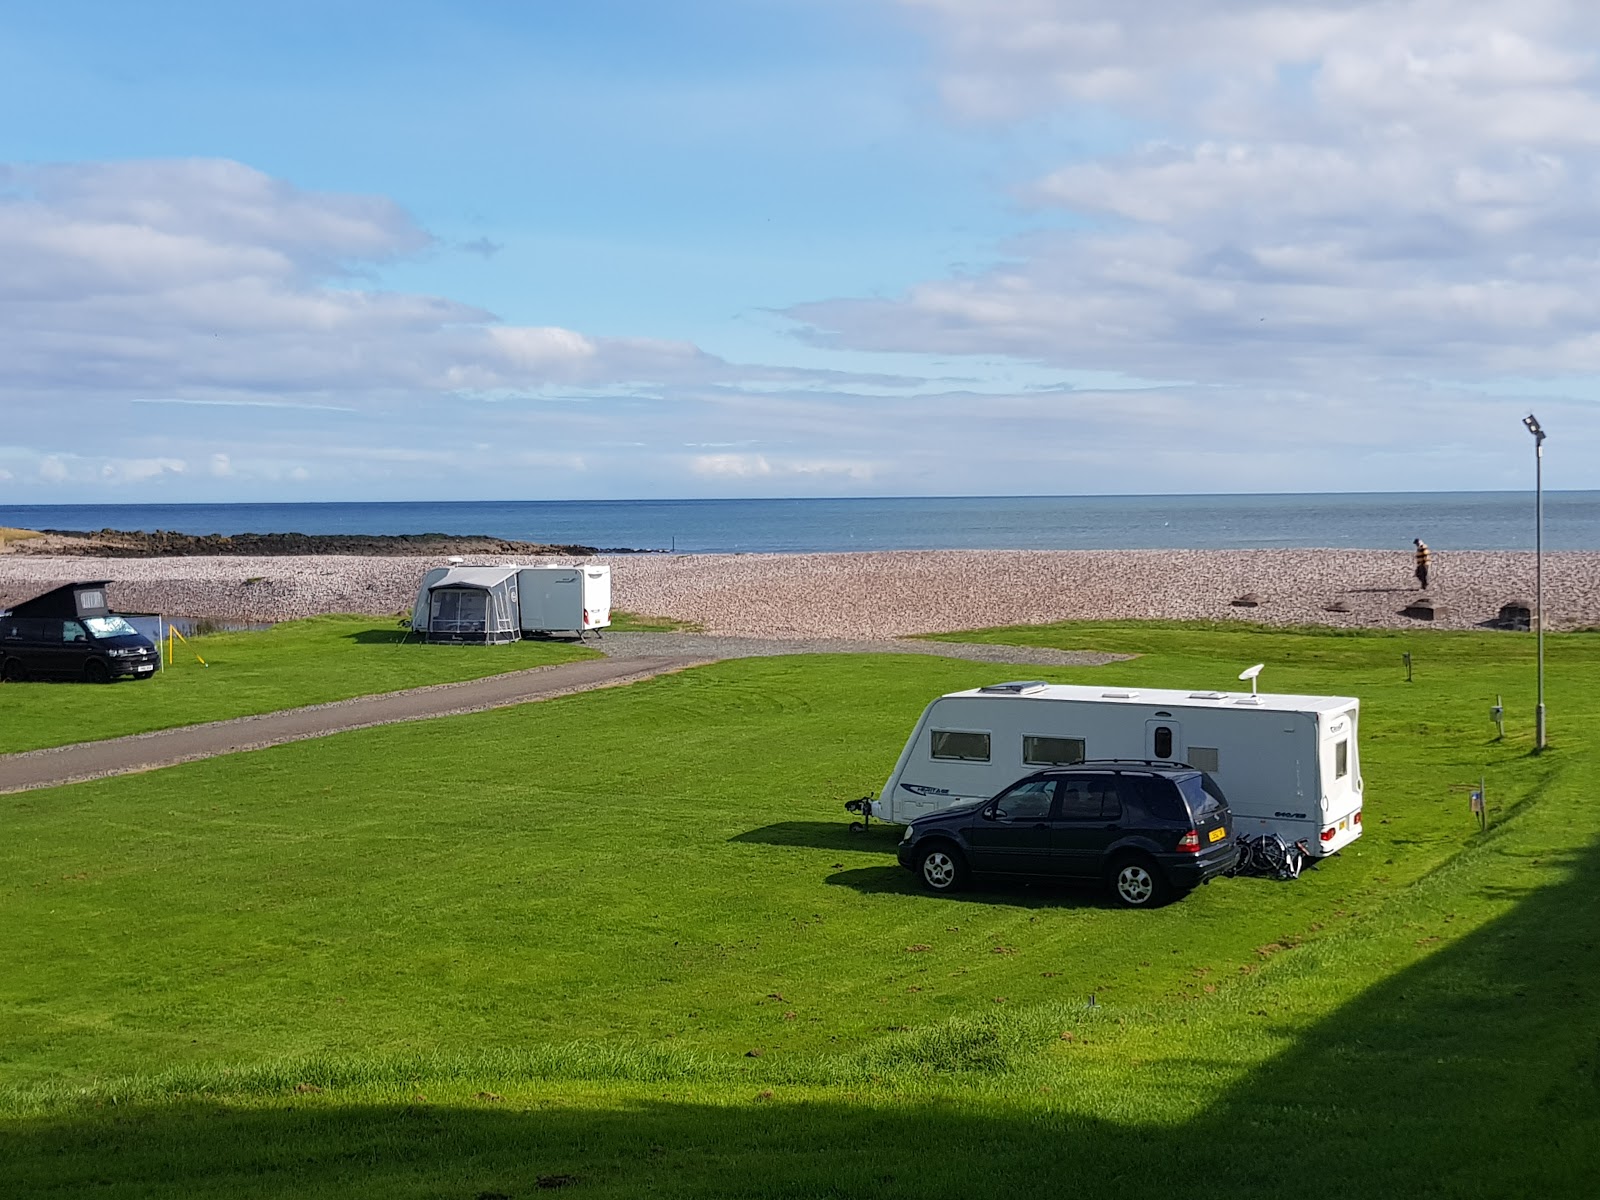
(863, 806)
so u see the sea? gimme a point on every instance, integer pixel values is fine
(1364, 520)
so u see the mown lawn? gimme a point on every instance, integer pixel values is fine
(624, 937)
(295, 663)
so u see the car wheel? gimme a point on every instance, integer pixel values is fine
(96, 671)
(13, 671)
(1136, 882)
(941, 868)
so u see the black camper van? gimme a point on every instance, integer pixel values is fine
(69, 633)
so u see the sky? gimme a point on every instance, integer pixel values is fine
(611, 250)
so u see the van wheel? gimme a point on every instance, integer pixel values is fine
(1136, 882)
(942, 868)
(96, 671)
(14, 671)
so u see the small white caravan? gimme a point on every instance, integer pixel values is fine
(1288, 764)
(564, 599)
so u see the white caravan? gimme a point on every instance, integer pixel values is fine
(1288, 764)
(564, 599)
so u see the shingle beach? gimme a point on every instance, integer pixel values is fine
(890, 594)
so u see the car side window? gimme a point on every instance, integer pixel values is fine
(1028, 801)
(1162, 800)
(71, 631)
(1089, 798)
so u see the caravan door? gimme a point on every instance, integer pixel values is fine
(1163, 740)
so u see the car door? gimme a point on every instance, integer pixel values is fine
(1011, 834)
(1088, 819)
(48, 654)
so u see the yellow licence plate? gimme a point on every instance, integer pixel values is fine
(1217, 834)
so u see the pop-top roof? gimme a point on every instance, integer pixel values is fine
(1033, 692)
(69, 600)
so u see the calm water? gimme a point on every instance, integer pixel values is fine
(1446, 520)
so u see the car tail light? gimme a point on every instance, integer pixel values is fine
(1358, 817)
(1327, 834)
(1190, 842)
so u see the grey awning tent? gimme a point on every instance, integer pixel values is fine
(468, 604)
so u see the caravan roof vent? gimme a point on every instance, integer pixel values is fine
(1118, 695)
(1206, 696)
(1017, 687)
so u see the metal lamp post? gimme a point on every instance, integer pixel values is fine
(1534, 428)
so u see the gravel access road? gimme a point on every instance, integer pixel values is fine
(629, 657)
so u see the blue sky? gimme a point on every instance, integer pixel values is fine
(530, 250)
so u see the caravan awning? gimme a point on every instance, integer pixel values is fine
(483, 578)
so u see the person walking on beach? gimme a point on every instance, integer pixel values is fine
(1424, 558)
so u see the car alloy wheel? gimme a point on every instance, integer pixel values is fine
(940, 870)
(1135, 885)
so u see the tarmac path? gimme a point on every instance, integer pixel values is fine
(629, 657)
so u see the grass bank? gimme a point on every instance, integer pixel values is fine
(297, 662)
(624, 938)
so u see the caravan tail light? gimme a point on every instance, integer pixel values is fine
(1357, 819)
(1190, 842)
(1327, 834)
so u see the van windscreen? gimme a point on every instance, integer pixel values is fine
(109, 627)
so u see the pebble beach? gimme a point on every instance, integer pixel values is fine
(882, 594)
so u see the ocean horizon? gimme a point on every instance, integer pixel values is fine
(1354, 520)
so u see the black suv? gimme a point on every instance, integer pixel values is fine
(1147, 831)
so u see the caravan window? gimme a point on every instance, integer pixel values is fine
(1341, 759)
(1052, 751)
(959, 746)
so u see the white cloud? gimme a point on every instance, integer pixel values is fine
(759, 466)
(1343, 192)
(208, 280)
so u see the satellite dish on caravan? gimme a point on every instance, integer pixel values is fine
(1250, 673)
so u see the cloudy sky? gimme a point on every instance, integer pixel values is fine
(530, 250)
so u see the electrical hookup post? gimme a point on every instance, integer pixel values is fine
(1477, 801)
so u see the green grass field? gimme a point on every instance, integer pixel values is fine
(295, 663)
(624, 937)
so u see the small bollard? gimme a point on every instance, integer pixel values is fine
(1497, 714)
(1408, 666)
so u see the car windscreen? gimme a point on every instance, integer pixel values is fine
(1203, 795)
(102, 627)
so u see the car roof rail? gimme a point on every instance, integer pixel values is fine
(1134, 762)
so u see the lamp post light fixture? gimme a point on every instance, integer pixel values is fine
(1534, 428)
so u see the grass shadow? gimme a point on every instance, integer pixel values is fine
(382, 637)
(1474, 1073)
(1011, 892)
(823, 835)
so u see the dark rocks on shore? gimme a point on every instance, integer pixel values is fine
(116, 543)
